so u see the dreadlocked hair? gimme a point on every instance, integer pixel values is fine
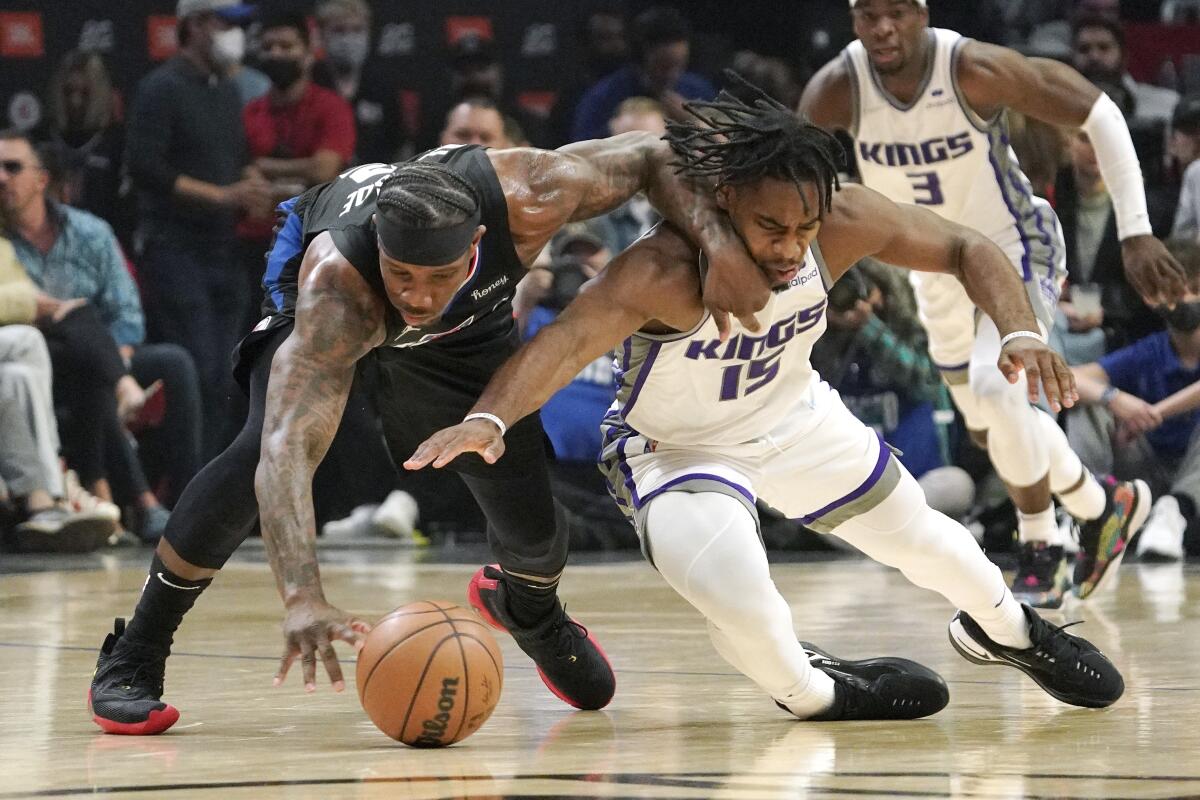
(740, 141)
(425, 195)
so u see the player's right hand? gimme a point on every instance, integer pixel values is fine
(473, 436)
(310, 627)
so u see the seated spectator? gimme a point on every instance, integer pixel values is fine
(370, 88)
(1098, 52)
(82, 121)
(74, 259)
(1185, 153)
(624, 225)
(1095, 265)
(30, 474)
(299, 135)
(660, 52)
(476, 120)
(1139, 415)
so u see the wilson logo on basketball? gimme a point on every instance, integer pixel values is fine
(435, 728)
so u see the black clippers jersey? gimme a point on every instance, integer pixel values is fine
(345, 206)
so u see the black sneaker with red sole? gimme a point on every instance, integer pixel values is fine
(569, 659)
(126, 691)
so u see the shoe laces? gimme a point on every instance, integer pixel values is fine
(148, 667)
(1056, 645)
(568, 632)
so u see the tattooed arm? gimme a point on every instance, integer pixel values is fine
(338, 320)
(546, 189)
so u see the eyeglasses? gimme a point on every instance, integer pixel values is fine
(13, 166)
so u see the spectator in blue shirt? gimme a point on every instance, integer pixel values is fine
(660, 49)
(1140, 415)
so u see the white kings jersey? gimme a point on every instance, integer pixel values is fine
(936, 152)
(691, 388)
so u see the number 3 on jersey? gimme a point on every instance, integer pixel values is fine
(927, 188)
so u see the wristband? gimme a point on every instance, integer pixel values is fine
(1108, 395)
(499, 423)
(1021, 334)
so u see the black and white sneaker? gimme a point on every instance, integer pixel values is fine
(1070, 668)
(878, 688)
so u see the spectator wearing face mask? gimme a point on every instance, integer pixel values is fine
(1139, 415)
(299, 134)
(347, 69)
(188, 160)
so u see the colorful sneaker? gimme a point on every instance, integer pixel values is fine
(1103, 541)
(569, 659)
(1043, 576)
(878, 688)
(126, 691)
(1069, 668)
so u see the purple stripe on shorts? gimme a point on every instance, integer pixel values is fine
(623, 465)
(692, 476)
(641, 378)
(880, 463)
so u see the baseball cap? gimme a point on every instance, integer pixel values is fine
(228, 10)
(1187, 114)
(572, 234)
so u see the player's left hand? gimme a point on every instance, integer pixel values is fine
(473, 436)
(1042, 366)
(1152, 270)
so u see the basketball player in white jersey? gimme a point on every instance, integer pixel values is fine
(703, 427)
(925, 107)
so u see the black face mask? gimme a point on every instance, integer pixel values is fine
(283, 72)
(1184, 317)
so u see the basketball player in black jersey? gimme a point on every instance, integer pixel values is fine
(409, 270)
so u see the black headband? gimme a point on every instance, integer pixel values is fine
(422, 246)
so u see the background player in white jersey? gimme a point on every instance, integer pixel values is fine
(702, 427)
(926, 108)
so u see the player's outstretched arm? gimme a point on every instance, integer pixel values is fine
(993, 78)
(547, 189)
(608, 309)
(337, 322)
(865, 223)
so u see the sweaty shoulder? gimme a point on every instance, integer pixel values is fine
(828, 97)
(851, 228)
(984, 73)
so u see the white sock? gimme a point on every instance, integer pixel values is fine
(1006, 624)
(1039, 527)
(1086, 502)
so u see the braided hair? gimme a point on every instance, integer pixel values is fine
(740, 141)
(425, 195)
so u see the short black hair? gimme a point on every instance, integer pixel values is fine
(1097, 21)
(743, 141)
(426, 195)
(283, 17)
(656, 26)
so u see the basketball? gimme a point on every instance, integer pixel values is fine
(430, 673)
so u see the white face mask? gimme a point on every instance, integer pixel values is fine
(229, 47)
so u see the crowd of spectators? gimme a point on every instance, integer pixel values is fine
(134, 237)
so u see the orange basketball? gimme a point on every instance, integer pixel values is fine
(430, 673)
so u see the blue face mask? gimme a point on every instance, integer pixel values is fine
(1184, 317)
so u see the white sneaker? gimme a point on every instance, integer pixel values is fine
(397, 517)
(84, 502)
(356, 526)
(1162, 535)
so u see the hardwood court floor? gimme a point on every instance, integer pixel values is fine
(683, 724)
